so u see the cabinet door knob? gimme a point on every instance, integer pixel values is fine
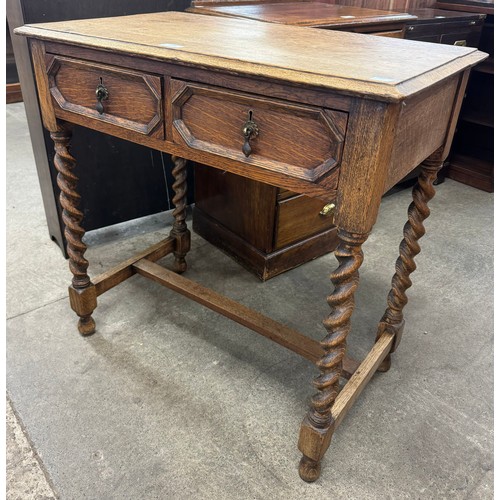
(250, 130)
(102, 94)
(327, 209)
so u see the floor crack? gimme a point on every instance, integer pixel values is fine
(36, 308)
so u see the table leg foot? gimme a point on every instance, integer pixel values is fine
(180, 231)
(385, 366)
(86, 325)
(309, 470)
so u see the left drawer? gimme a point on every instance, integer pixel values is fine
(128, 99)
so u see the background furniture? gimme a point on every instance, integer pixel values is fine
(131, 180)
(444, 26)
(471, 158)
(12, 78)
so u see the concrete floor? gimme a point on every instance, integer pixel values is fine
(169, 400)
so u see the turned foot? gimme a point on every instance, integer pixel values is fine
(180, 265)
(385, 366)
(309, 470)
(86, 325)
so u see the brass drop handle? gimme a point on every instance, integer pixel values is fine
(250, 131)
(327, 209)
(102, 94)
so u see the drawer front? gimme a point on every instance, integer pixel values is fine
(468, 39)
(298, 218)
(301, 141)
(465, 33)
(133, 98)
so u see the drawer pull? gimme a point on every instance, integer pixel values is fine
(102, 94)
(327, 209)
(250, 130)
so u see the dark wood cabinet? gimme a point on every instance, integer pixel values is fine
(448, 27)
(11, 76)
(471, 157)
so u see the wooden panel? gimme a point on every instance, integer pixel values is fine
(483, 7)
(471, 171)
(298, 218)
(391, 34)
(315, 14)
(134, 100)
(14, 93)
(423, 128)
(397, 5)
(264, 265)
(241, 205)
(371, 66)
(302, 141)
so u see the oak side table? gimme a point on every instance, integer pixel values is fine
(342, 121)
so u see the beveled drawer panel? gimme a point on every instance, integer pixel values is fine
(133, 98)
(305, 142)
(298, 218)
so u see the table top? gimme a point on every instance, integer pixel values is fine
(306, 13)
(386, 69)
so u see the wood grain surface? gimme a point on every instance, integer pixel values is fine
(306, 14)
(346, 62)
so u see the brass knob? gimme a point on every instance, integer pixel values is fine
(327, 209)
(102, 94)
(250, 130)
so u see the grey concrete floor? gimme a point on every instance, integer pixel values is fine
(169, 400)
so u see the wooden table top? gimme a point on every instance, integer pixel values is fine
(387, 69)
(306, 13)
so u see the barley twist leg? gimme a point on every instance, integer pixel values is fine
(179, 230)
(82, 293)
(409, 248)
(315, 431)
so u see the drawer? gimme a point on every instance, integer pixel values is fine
(301, 141)
(465, 33)
(299, 218)
(133, 98)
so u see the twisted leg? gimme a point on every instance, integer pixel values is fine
(180, 231)
(317, 427)
(409, 248)
(82, 292)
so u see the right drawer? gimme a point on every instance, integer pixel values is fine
(298, 218)
(301, 141)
